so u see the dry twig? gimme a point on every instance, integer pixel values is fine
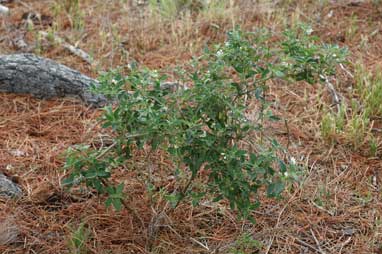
(72, 49)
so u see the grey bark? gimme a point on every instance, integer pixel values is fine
(44, 78)
(8, 230)
(8, 188)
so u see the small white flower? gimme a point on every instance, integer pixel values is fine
(219, 53)
(285, 64)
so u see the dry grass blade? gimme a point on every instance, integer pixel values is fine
(8, 231)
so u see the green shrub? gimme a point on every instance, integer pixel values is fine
(206, 126)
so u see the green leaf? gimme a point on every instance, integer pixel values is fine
(119, 189)
(117, 204)
(283, 167)
(108, 202)
(69, 181)
(279, 74)
(173, 199)
(196, 197)
(275, 189)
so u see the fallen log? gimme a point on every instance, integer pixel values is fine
(8, 188)
(45, 79)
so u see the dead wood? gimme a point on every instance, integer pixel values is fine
(45, 78)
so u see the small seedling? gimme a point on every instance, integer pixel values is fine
(245, 244)
(77, 240)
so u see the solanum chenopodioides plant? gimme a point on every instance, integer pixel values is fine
(204, 127)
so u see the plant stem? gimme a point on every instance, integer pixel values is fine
(184, 191)
(124, 203)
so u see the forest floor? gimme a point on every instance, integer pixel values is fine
(336, 208)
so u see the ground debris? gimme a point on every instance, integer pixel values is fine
(8, 188)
